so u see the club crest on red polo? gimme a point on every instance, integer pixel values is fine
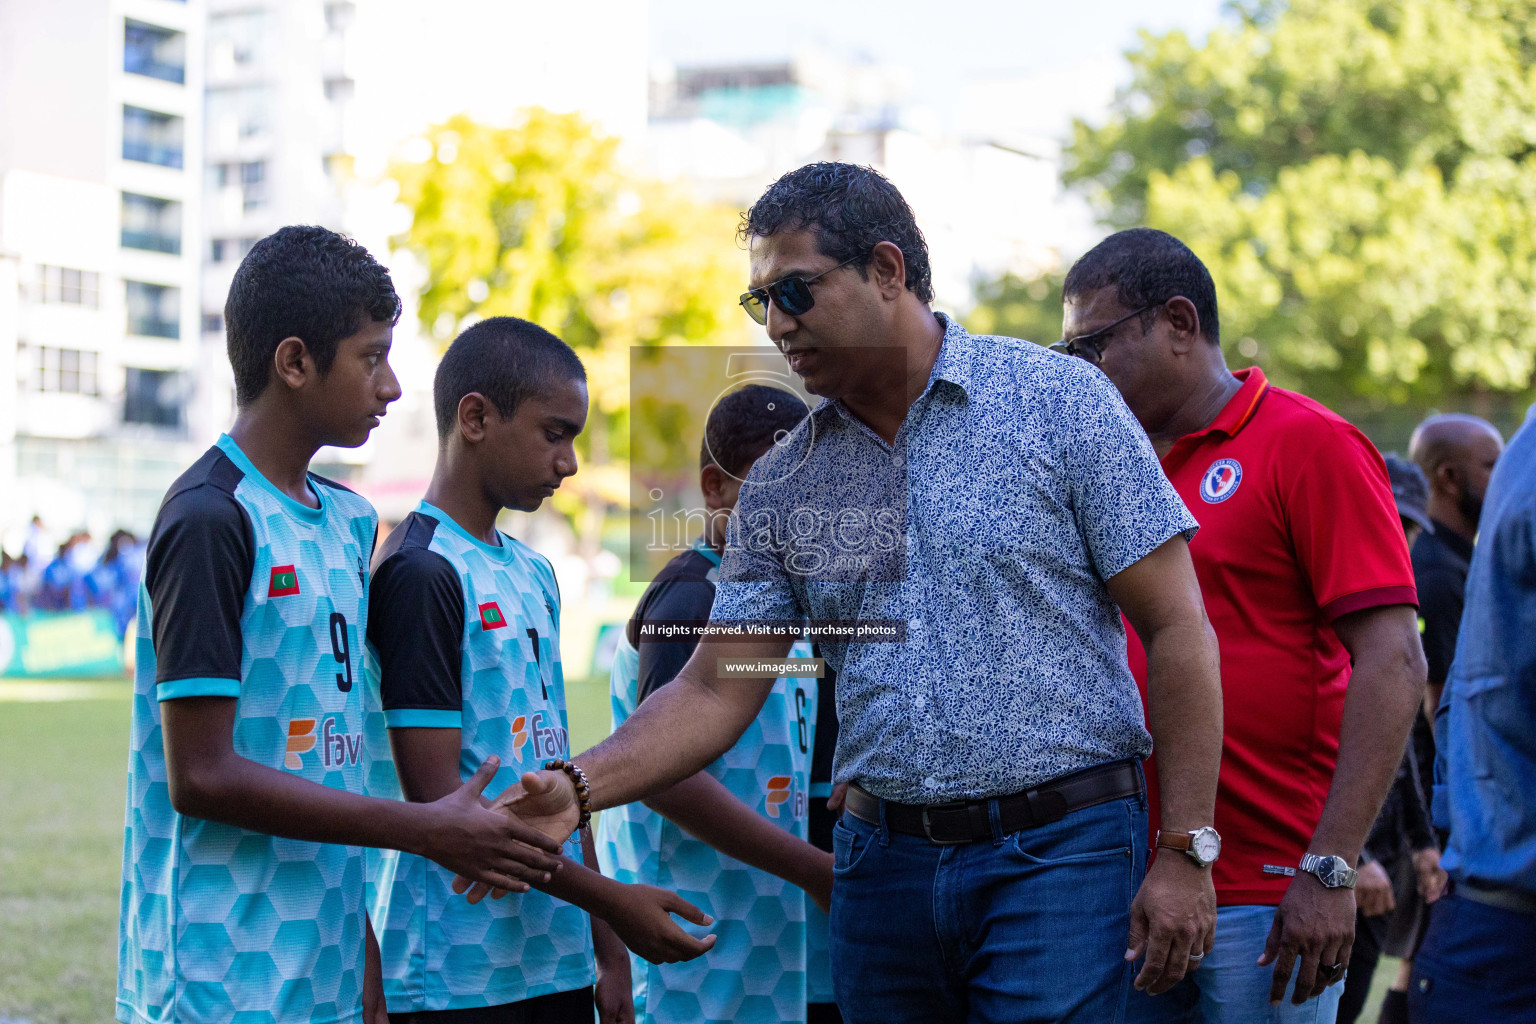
(285, 581)
(1220, 481)
(491, 617)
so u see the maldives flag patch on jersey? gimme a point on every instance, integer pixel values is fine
(491, 617)
(285, 581)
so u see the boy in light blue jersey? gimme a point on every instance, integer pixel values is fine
(730, 836)
(242, 895)
(464, 666)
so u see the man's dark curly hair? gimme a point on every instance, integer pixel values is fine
(302, 282)
(852, 209)
(1147, 266)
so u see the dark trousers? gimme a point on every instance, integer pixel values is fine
(1477, 966)
(1370, 932)
(574, 1007)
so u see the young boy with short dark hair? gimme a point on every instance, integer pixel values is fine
(242, 863)
(464, 665)
(732, 837)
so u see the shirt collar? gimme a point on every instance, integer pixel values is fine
(956, 364)
(1239, 410)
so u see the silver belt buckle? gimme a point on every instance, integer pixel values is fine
(928, 827)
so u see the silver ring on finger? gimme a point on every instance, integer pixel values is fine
(1197, 956)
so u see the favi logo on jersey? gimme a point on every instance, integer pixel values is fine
(550, 738)
(337, 749)
(782, 792)
(1220, 481)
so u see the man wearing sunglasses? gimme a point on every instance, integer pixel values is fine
(1304, 569)
(996, 503)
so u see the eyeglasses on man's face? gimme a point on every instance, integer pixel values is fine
(1091, 346)
(791, 294)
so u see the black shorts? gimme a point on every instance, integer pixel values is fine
(574, 1007)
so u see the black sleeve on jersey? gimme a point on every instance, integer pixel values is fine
(197, 570)
(1441, 594)
(416, 625)
(662, 660)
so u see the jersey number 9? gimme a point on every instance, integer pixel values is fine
(341, 650)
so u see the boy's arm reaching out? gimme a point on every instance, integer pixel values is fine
(208, 779)
(427, 761)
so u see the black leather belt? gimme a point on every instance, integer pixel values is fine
(968, 821)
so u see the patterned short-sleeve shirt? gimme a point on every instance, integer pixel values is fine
(1017, 485)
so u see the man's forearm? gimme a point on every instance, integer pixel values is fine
(1184, 715)
(709, 812)
(680, 728)
(1384, 693)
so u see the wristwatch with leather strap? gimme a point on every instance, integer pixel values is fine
(1202, 846)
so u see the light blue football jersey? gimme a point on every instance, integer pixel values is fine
(756, 973)
(466, 636)
(247, 594)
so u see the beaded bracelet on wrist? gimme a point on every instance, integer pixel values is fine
(583, 790)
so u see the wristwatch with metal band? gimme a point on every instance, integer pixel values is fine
(1333, 872)
(1202, 846)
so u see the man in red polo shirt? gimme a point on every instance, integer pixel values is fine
(1304, 571)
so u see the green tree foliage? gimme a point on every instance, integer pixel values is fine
(540, 220)
(1019, 308)
(1359, 176)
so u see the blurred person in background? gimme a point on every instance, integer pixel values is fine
(62, 587)
(1307, 582)
(1401, 855)
(1457, 453)
(1475, 962)
(34, 551)
(10, 583)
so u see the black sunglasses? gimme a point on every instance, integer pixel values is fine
(1091, 346)
(791, 294)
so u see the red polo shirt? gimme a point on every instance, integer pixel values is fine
(1297, 527)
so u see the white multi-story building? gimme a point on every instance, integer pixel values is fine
(276, 151)
(100, 137)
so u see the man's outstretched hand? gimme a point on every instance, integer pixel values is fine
(485, 846)
(543, 801)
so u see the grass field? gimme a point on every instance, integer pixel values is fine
(63, 763)
(63, 757)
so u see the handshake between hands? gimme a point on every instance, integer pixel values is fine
(535, 817)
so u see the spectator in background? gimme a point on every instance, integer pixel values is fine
(10, 583)
(61, 587)
(1401, 854)
(1457, 453)
(34, 550)
(112, 583)
(1475, 962)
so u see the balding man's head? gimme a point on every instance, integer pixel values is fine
(1457, 453)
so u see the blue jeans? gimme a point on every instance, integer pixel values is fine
(1229, 987)
(1031, 926)
(1476, 964)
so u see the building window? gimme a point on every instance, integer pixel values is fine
(150, 223)
(339, 90)
(213, 323)
(237, 112)
(339, 15)
(154, 310)
(151, 137)
(70, 286)
(152, 397)
(229, 249)
(154, 51)
(66, 371)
